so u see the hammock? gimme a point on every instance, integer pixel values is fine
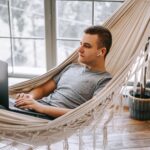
(130, 27)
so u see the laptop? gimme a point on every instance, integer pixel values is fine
(8, 103)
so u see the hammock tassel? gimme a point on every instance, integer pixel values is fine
(80, 140)
(105, 137)
(49, 147)
(31, 148)
(66, 145)
(94, 138)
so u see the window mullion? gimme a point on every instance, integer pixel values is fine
(11, 34)
(50, 33)
(93, 12)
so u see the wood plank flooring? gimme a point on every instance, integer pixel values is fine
(128, 134)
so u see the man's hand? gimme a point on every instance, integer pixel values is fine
(23, 96)
(26, 102)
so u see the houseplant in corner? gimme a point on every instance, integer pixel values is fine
(139, 98)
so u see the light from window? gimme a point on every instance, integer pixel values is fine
(73, 17)
(22, 36)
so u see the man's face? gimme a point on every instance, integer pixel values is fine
(88, 49)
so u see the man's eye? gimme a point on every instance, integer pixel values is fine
(87, 46)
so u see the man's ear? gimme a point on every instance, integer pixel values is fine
(102, 52)
(99, 52)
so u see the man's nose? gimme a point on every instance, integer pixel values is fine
(80, 49)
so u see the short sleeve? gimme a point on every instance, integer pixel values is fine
(58, 76)
(101, 84)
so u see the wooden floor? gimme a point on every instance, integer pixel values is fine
(124, 133)
(128, 134)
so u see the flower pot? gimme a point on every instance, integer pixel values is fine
(139, 108)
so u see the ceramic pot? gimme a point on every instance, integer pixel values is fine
(139, 108)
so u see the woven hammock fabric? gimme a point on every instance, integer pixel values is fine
(130, 27)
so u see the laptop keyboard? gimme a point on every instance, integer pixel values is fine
(14, 107)
(12, 104)
(27, 111)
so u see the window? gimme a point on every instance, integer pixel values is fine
(26, 23)
(73, 16)
(22, 36)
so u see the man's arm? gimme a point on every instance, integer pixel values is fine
(38, 107)
(54, 111)
(39, 92)
(43, 90)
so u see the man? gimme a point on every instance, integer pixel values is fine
(78, 82)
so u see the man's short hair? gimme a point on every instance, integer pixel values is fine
(105, 37)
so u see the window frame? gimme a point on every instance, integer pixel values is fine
(50, 34)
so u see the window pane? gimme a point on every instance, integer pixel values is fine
(25, 25)
(13, 81)
(33, 6)
(28, 20)
(72, 18)
(3, 2)
(4, 21)
(103, 10)
(28, 36)
(5, 52)
(40, 54)
(29, 56)
(65, 48)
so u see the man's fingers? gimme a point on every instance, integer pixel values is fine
(24, 107)
(20, 103)
(24, 104)
(17, 95)
(27, 106)
(20, 95)
(23, 95)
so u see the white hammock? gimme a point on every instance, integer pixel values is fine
(130, 27)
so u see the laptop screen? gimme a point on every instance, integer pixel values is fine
(4, 101)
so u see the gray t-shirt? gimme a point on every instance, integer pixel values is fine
(76, 84)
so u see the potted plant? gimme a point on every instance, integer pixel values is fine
(139, 99)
